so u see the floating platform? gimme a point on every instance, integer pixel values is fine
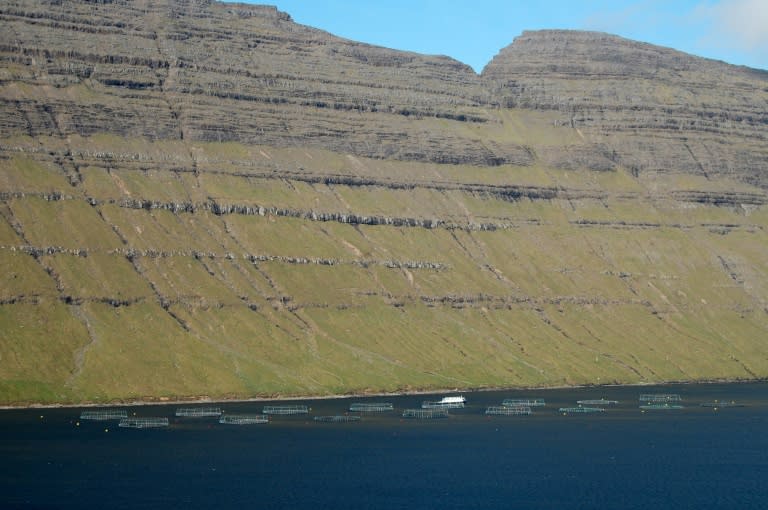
(441, 405)
(581, 410)
(717, 404)
(285, 410)
(243, 419)
(198, 412)
(660, 397)
(372, 407)
(143, 423)
(425, 414)
(597, 402)
(104, 414)
(660, 406)
(524, 402)
(508, 411)
(337, 419)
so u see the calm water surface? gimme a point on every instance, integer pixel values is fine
(691, 458)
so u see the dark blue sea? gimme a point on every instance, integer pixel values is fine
(624, 458)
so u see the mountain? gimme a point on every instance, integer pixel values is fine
(202, 199)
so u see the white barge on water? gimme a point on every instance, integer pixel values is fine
(452, 402)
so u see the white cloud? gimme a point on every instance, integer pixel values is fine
(643, 18)
(737, 24)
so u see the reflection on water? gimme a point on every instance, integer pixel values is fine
(625, 457)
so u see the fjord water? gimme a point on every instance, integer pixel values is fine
(694, 457)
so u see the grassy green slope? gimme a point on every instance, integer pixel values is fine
(131, 284)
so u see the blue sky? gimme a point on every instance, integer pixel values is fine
(472, 32)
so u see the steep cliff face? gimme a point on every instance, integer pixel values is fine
(241, 73)
(208, 199)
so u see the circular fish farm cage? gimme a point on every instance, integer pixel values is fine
(104, 414)
(373, 407)
(425, 414)
(198, 412)
(581, 410)
(243, 419)
(143, 423)
(718, 405)
(523, 402)
(660, 406)
(597, 402)
(659, 397)
(442, 405)
(508, 411)
(337, 419)
(285, 410)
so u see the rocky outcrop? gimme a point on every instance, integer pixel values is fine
(650, 108)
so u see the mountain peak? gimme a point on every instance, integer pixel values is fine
(594, 53)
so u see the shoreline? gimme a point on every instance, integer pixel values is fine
(443, 391)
